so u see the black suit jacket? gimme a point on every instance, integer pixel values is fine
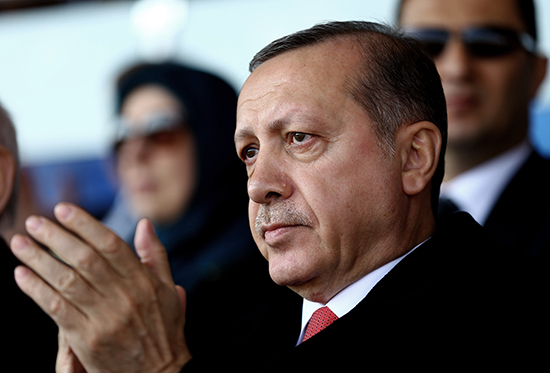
(521, 216)
(461, 300)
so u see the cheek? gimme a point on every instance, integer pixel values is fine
(505, 92)
(178, 179)
(345, 185)
(355, 208)
(125, 168)
(124, 175)
(252, 213)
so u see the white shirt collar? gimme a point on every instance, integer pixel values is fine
(347, 299)
(477, 190)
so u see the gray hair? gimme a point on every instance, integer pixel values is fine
(9, 141)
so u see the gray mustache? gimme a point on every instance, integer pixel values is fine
(279, 213)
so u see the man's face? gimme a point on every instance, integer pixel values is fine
(487, 97)
(322, 198)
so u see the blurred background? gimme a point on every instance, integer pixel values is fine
(59, 59)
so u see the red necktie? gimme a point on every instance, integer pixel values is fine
(320, 319)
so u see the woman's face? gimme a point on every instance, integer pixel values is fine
(157, 165)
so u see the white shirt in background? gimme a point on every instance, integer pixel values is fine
(477, 190)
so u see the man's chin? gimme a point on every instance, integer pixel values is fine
(303, 285)
(289, 276)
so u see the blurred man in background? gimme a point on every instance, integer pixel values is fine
(486, 54)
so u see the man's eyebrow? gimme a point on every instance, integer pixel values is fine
(243, 133)
(273, 126)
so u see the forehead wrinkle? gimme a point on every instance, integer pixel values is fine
(252, 99)
(247, 131)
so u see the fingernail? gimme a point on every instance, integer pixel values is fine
(62, 211)
(21, 273)
(19, 243)
(33, 223)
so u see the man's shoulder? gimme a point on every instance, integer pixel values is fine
(461, 285)
(461, 245)
(463, 264)
(521, 215)
(457, 252)
(531, 176)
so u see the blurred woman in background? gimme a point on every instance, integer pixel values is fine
(176, 165)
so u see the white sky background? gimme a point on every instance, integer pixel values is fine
(57, 64)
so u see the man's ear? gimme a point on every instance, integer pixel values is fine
(419, 147)
(7, 177)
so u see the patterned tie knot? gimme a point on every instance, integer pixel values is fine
(320, 319)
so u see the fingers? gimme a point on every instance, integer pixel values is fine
(182, 295)
(104, 300)
(63, 313)
(52, 273)
(107, 244)
(84, 260)
(151, 251)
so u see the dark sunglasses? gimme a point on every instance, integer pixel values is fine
(484, 42)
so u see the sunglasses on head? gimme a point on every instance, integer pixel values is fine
(484, 42)
(153, 127)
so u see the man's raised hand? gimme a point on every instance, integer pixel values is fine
(115, 312)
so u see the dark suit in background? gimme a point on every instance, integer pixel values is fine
(521, 216)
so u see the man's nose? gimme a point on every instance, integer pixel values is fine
(454, 63)
(269, 180)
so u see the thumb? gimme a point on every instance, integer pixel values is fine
(182, 296)
(151, 251)
(66, 359)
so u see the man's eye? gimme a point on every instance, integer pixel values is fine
(299, 137)
(249, 153)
